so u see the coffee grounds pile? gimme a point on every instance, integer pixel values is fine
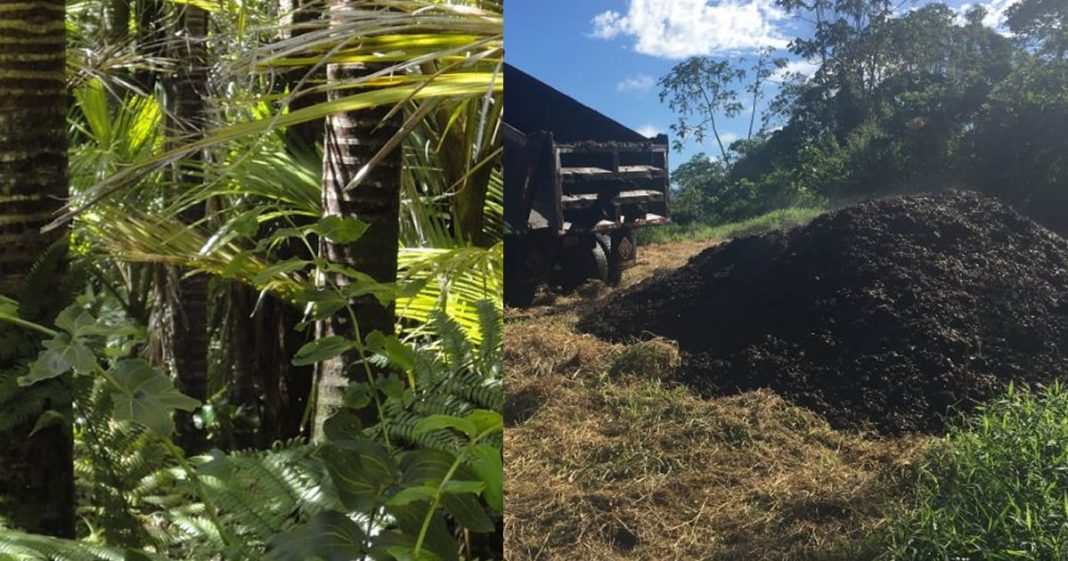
(885, 315)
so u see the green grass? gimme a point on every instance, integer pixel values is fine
(774, 220)
(996, 487)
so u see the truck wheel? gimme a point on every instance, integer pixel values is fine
(581, 264)
(599, 268)
(613, 272)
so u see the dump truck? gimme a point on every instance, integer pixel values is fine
(577, 187)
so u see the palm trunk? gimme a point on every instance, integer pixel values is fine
(36, 472)
(240, 357)
(469, 201)
(191, 308)
(352, 139)
(263, 380)
(304, 137)
(151, 34)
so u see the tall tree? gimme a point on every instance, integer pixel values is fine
(352, 141)
(188, 117)
(698, 90)
(1042, 24)
(36, 470)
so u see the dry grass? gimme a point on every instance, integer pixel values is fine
(655, 359)
(604, 462)
(659, 257)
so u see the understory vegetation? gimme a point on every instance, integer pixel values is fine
(250, 305)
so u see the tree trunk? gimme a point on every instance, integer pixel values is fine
(352, 139)
(302, 138)
(36, 472)
(263, 380)
(188, 119)
(151, 38)
(469, 201)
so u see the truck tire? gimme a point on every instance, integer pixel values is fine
(583, 263)
(613, 272)
(599, 267)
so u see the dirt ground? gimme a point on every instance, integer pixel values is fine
(607, 459)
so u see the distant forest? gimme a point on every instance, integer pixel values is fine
(903, 100)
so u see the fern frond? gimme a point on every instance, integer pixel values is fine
(491, 352)
(257, 494)
(20, 406)
(452, 378)
(33, 547)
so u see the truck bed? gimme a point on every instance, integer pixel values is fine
(578, 170)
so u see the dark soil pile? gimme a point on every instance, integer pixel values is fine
(882, 315)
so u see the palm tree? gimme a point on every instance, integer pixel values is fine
(356, 186)
(437, 67)
(188, 118)
(36, 473)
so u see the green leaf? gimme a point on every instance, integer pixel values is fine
(397, 353)
(454, 487)
(362, 470)
(9, 309)
(438, 422)
(384, 292)
(236, 264)
(486, 462)
(357, 395)
(47, 419)
(392, 386)
(327, 302)
(486, 421)
(77, 322)
(411, 494)
(61, 355)
(247, 223)
(322, 349)
(468, 511)
(409, 519)
(426, 466)
(280, 268)
(402, 553)
(344, 425)
(329, 535)
(340, 229)
(147, 397)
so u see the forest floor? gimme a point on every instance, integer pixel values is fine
(607, 459)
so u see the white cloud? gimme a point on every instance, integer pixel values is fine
(649, 130)
(727, 137)
(803, 67)
(638, 83)
(677, 29)
(995, 13)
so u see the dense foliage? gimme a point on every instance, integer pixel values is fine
(901, 101)
(190, 376)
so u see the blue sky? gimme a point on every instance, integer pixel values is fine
(608, 54)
